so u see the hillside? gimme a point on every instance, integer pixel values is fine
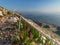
(17, 30)
(8, 24)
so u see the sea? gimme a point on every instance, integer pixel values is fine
(43, 17)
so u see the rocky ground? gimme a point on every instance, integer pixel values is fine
(7, 29)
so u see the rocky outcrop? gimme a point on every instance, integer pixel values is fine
(7, 29)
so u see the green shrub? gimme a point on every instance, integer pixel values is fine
(15, 40)
(34, 32)
(39, 40)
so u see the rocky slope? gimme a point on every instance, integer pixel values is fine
(7, 26)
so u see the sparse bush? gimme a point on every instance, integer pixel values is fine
(58, 28)
(40, 24)
(9, 13)
(46, 26)
(15, 40)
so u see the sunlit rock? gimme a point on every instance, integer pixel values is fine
(33, 43)
(1, 14)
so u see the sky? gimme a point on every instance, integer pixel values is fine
(45, 6)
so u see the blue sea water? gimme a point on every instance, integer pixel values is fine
(47, 18)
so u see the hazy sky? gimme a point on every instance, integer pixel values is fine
(46, 6)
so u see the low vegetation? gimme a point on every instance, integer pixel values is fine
(30, 36)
